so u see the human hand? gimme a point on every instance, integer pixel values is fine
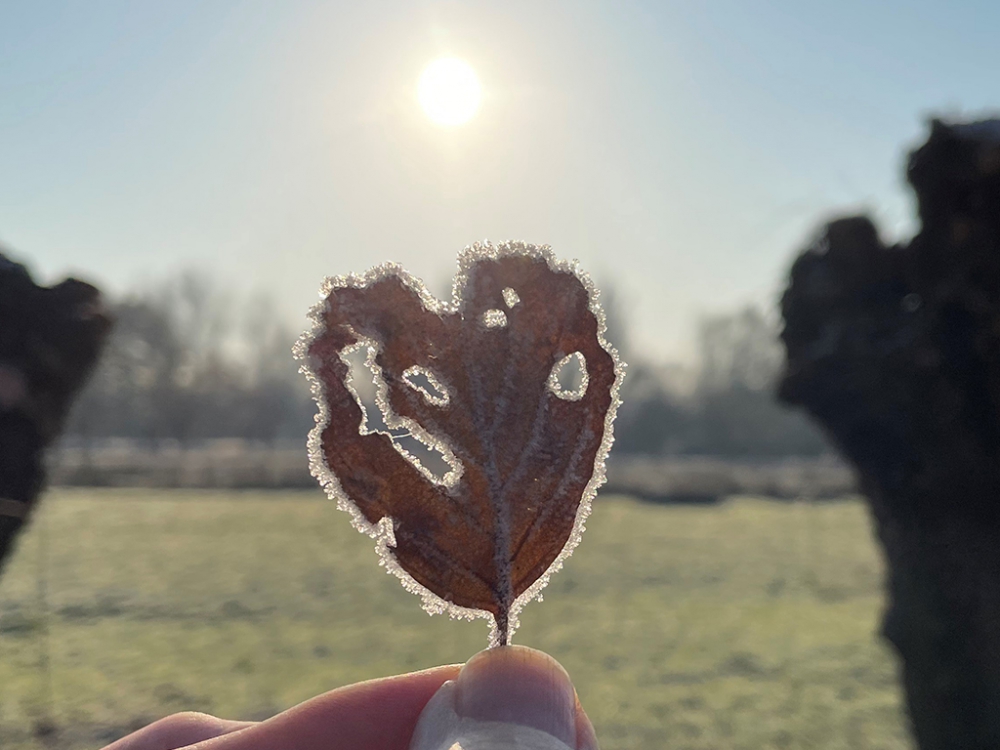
(502, 699)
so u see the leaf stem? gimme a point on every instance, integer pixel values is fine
(503, 628)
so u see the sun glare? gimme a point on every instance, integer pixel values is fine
(449, 91)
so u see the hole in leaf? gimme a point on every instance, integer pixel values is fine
(362, 382)
(510, 297)
(423, 380)
(494, 318)
(428, 459)
(568, 379)
(433, 460)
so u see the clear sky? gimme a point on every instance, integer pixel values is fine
(682, 150)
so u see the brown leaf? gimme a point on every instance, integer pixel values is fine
(478, 380)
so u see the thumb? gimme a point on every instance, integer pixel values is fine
(509, 698)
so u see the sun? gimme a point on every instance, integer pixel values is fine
(449, 91)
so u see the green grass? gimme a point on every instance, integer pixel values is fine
(750, 625)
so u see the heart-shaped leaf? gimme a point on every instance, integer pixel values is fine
(487, 382)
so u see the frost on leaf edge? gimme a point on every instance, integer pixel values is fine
(382, 532)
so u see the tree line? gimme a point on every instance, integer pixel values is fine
(729, 410)
(188, 362)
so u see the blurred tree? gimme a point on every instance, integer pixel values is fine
(652, 420)
(896, 352)
(136, 372)
(186, 363)
(738, 351)
(735, 410)
(49, 341)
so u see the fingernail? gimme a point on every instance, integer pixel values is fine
(518, 685)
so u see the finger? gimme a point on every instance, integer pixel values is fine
(375, 715)
(511, 697)
(586, 737)
(177, 731)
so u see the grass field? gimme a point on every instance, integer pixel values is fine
(748, 625)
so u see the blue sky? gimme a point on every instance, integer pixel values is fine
(682, 151)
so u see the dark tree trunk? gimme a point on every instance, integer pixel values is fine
(896, 352)
(49, 341)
